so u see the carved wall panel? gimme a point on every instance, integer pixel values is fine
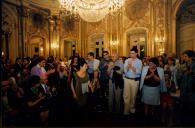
(70, 27)
(188, 14)
(185, 20)
(160, 18)
(137, 14)
(136, 10)
(95, 33)
(97, 27)
(160, 28)
(10, 27)
(37, 28)
(187, 37)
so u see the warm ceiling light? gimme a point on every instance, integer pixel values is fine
(91, 10)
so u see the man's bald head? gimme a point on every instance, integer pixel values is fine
(43, 78)
(114, 56)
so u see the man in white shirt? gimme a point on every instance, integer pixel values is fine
(132, 70)
(92, 64)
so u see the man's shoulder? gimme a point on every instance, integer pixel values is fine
(160, 69)
(145, 67)
(127, 59)
(138, 61)
(103, 61)
(96, 60)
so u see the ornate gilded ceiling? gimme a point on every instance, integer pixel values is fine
(53, 5)
(136, 10)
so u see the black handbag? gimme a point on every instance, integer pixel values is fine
(118, 78)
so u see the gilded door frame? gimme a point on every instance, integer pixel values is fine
(125, 51)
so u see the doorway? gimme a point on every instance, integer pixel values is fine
(69, 48)
(96, 44)
(137, 39)
(37, 46)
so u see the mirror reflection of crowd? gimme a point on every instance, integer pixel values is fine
(48, 92)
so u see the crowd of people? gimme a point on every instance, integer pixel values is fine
(45, 92)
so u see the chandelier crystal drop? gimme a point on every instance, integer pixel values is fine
(91, 10)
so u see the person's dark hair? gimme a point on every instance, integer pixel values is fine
(25, 58)
(72, 59)
(18, 58)
(161, 57)
(34, 79)
(35, 57)
(91, 54)
(76, 54)
(154, 60)
(189, 53)
(172, 59)
(7, 61)
(41, 58)
(28, 58)
(164, 54)
(124, 58)
(52, 80)
(134, 49)
(81, 62)
(50, 59)
(36, 61)
(106, 52)
(49, 66)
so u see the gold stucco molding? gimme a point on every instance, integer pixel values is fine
(136, 10)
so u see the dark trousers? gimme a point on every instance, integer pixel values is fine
(104, 93)
(104, 86)
(91, 76)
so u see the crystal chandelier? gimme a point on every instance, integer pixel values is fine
(91, 10)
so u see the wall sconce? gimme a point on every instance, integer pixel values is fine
(54, 46)
(114, 46)
(114, 43)
(161, 50)
(161, 41)
(41, 49)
